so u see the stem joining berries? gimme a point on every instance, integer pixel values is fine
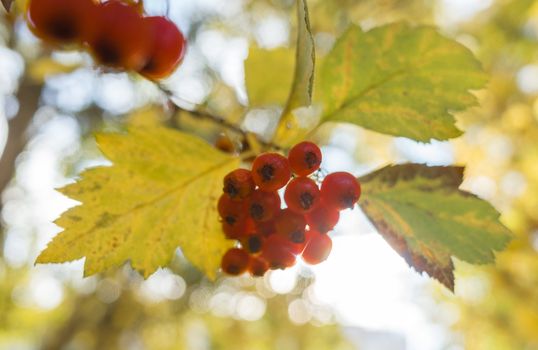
(271, 237)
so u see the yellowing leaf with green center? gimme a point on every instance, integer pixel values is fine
(422, 214)
(399, 80)
(160, 194)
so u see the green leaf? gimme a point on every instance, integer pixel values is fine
(160, 193)
(422, 214)
(303, 82)
(399, 80)
(268, 76)
(7, 4)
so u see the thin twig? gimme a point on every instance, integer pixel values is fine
(216, 119)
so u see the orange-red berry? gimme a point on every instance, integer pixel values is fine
(263, 206)
(61, 21)
(340, 190)
(238, 230)
(278, 252)
(305, 158)
(230, 211)
(266, 228)
(239, 184)
(235, 262)
(122, 38)
(257, 266)
(318, 247)
(291, 225)
(302, 195)
(167, 50)
(271, 171)
(323, 218)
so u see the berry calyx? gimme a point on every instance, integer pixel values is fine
(262, 206)
(323, 218)
(239, 184)
(253, 243)
(318, 248)
(340, 190)
(302, 195)
(235, 261)
(167, 51)
(291, 225)
(61, 21)
(271, 171)
(122, 38)
(305, 158)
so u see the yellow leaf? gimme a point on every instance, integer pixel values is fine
(268, 75)
(160, 194)
(301, 89)
(45, 67)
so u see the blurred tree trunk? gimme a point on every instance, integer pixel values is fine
(28, 97)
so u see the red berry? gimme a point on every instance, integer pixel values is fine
(305, 158)
(302, 195)
(323, 218)
(122, 38)
(253, 243)
(235, 261)
(257, 266)
(238, 230)
(167, 51)
(239, 184)
(297, 248)
(61, 21)
(318, 248)
(235, 223)
(266, 228)
(291, 225)
(271, 171)
(278, 252)
(340, 190)
(262, 206)
(230, 211)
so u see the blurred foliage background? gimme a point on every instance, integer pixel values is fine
(364, 297)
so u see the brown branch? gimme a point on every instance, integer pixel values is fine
(223, 122)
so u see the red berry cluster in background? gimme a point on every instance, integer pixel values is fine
(271, 237)
(115, 33)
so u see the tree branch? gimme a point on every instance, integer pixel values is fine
(217, 120)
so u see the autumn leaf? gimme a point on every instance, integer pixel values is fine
(268, 75)
(422, 214)
(303, 81)
(305, 59)
(399, 80)
(281, 78)
(45, 67)
(159, 194)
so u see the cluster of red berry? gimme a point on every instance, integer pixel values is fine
(272, 237)
(115, 32)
